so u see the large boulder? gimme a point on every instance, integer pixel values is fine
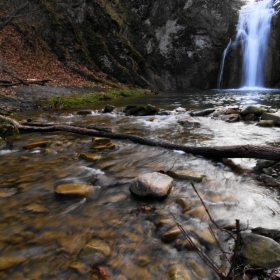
(259, 251)
(252, 110)
(154, 184)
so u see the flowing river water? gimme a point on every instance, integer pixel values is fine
(41, 235)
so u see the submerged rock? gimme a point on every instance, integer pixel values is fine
(185, 175)
(9, 261)
(183, 202)
(178, 272)
(259, 251)
(154, 184)
(269, 181)
(189, 122)
(95, 251)
(231, 118)
(74, 190)
(36, 144)
(90, 157)
(100, 143)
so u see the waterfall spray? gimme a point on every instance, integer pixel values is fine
(253, 31)
(222, 65)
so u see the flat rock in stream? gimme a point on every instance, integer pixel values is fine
(74, 190)
(203, 112)
(153, 184)
(185, 175)
(36, 144)
(100, 143)
(259, 251)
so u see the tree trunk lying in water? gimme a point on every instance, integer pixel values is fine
(236, 151)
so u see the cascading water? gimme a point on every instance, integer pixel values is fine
(253, 31)
(222, 65)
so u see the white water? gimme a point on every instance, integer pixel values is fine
(222, 64)
(253, 31)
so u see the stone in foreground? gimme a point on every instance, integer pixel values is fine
(154, 184)
(272, 117)
(95, 251)
(99, 143)
(74, 190)
(185, 175)
(259, 251)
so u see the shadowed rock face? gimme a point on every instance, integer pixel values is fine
(161, 44)
(182, 41)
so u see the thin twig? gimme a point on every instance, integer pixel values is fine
(208, 213)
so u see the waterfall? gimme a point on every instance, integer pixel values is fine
(222, 64)
(253, 31)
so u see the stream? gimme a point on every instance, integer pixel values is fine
(41, 235)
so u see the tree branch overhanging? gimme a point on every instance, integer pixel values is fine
(235, 151)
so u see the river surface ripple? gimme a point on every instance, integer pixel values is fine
(42, 235)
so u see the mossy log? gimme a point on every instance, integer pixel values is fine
(235, 151)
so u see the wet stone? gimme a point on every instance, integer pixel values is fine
(249, 117)
(9, 261)
(231, 118)
(100, 143)
(154, 184)
(185, 175)
(36, 144)
(273, 117)
(259, 251)
(252, 110)
(266, 123)
(109, 108)
(171, 234)
(189, 122)
(95, 251)
(198, 269)
(183, 202)
(203, 112)
(90, 157)
(184, 244)
(153, 119)
(178, 272)
(269, 181)
(79, 267)
(74, 190)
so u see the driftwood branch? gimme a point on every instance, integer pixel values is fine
(236, 151)
(13, 14)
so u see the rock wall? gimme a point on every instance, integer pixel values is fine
(163, 44)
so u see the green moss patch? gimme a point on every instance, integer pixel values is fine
(76, 100)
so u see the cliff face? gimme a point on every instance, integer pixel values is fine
(162, 44)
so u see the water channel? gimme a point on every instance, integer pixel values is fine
(41, 235)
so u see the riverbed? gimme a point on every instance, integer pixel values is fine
(42, 235)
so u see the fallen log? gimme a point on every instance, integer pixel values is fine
(14, 76)
(235, 151)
